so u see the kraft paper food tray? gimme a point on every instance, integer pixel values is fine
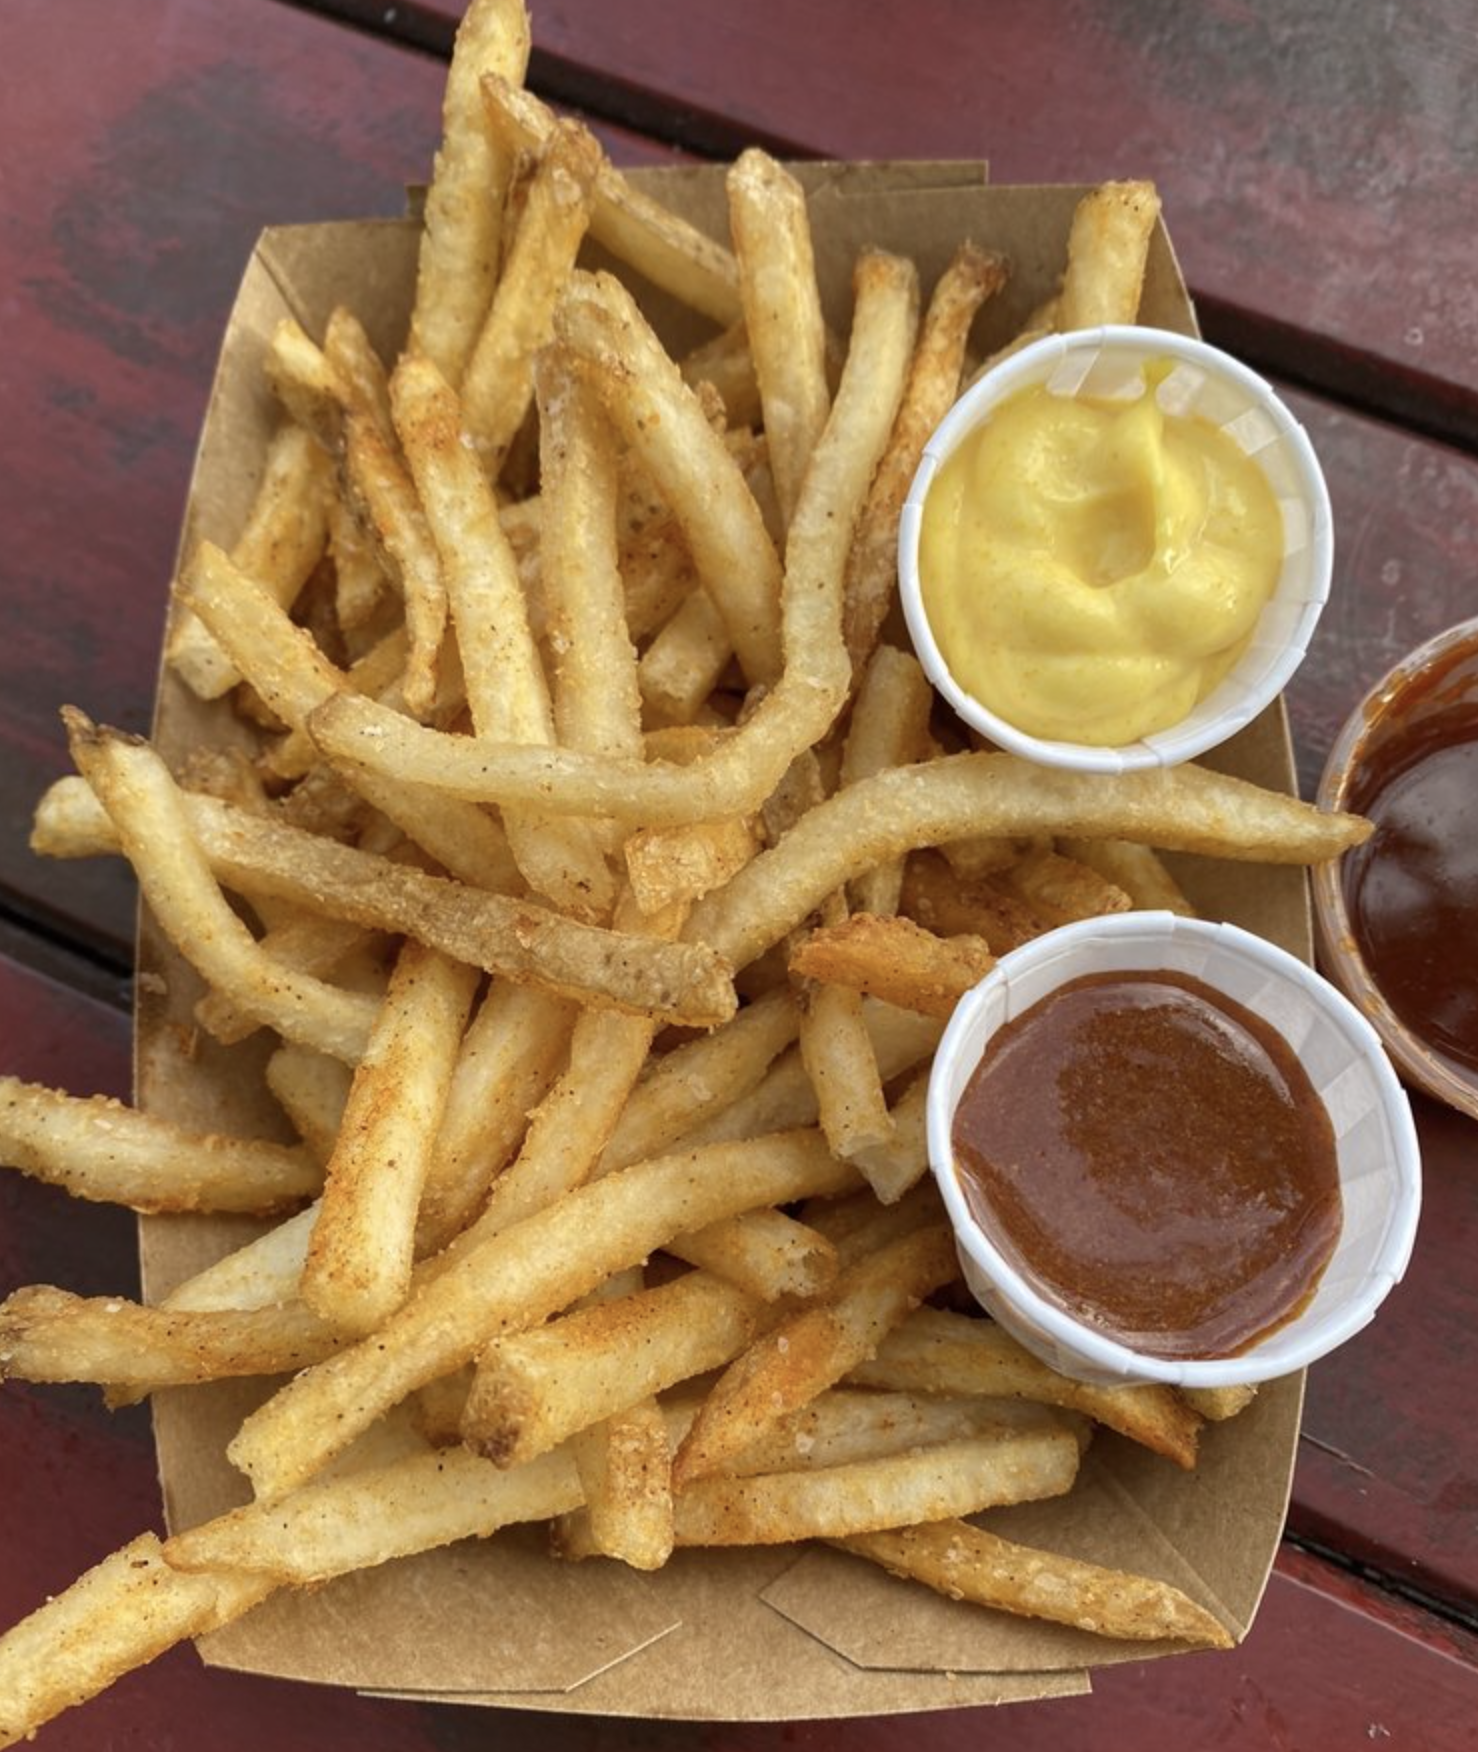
(777, 1634)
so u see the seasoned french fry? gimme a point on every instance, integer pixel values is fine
(1187, 807)
(935, 1352)
(933, 382)
(461, 245)
(280, 545)
(1216, 1404)
(678, 982)
(894, 959)
(1060, 889)
(498, 385)
(506, 689)
(812, 1350)
(1107, 249)
(968, 1563)
(766, 1253)
(99, 1149)
(636, 229)
(48, 1334)
(929, 1484)
(147, 811)
(534, 1389)
(1138, 871)
(889, 727)
(358, 1268)
(368, 1517)
(782, 314)
(119, 1615)
(311, 1088)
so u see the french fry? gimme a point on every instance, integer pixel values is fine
(280, 545)
(1060, 889)
(929, 1484)
(892, 1168)
(1138, 871)
(461, 245)
(971, 277)
(812, 1350)
(895, 960)
(147, 812)
(265, 1273)
(369, 1517)
(498, 385)
(48, 1334)
(119, 1615)
(532, 1390)
(766, 1253)
(506, 689)
(968, 1563)
(101, 1150)
(700, 1078)
(678, 982)
(1107, 249)
(782, 314)
(358, 1267)
(510, 1056)
(1188, 808)
(597, 705)
(1216, 1404)
(311, 1088)
(625, 1467)
(888, 727)
(664, 422)
(935, 1352)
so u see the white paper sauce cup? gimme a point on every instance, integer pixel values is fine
(1378, 1158)
(1108, 363)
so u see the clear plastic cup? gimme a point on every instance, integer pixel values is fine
(1109, 363)
(1378, 1158)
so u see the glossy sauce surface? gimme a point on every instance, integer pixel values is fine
(1092, 568)
(1154, 1158)
(1412, 889)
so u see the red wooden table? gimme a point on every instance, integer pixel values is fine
(1320, 172)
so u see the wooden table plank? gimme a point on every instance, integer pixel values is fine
(139, 170)
(1321, 162)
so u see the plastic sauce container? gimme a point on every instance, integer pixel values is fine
(1398, 925)
(1375, 1141)
(1191, 381)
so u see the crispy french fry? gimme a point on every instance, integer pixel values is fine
(534, 1389)
(636, 229)
(888, 727)
(498, 385)
(933, 382)
(118, 1616)
(625, 1469)
(1060, 889)
(265, 1273)
(1216, 1404)
(1107, 249)
(280, 545)
(1187, 807)
(146, 809)
(358, 1268)
(99, 1149)
(48, 1334)
(368, 1517)
(894, 959)
(678, 982)
(935, 1352)
(506, 689)
(929, 1484)
(782, 314)
(812, 1350)
(311, 1088)
(968, 1563)
(766, 1253)
(1138, 871)
(461, 246)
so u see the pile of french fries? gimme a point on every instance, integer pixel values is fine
(605, 871)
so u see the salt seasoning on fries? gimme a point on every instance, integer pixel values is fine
(594, 1241)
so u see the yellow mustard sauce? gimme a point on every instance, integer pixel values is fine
(1091, 569)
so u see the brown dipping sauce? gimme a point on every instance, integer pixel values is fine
(1412, 889)
(1154, 1158)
